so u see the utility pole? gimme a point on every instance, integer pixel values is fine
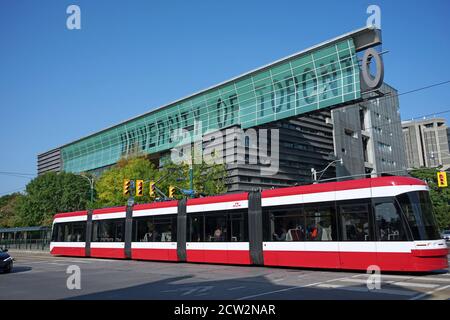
(191, 167)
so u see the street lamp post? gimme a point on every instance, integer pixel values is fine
(314, 172)
(91, 184)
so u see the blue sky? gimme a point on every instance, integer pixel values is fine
(58, 85)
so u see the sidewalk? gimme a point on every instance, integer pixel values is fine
(34, 252)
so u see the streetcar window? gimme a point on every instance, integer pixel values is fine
(309, 222)
(196, 228)
(354, 219)
(216, 227)
(287, 224)
(69, 232)
(221, 226)
(155, 229)
(238, 227)
(320, 223)
(388, 221)
(57, 234)
(418, 209)
(111, 230)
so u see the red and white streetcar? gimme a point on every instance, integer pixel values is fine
(386, 221)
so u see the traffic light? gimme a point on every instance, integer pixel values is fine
(442, 179)
(152, 189)
(171, 191)
(126, 187)
(139, 188)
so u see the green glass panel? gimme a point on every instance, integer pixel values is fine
(303, 83)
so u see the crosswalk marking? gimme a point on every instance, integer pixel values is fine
(362, 289)
(417, 285)
(428, 279)
(429, 293)
(236, 288)
(415, 278)
(399, 283)
(74, 261)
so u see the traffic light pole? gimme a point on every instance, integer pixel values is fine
(191, 178)
(132, 190)
(160, 193)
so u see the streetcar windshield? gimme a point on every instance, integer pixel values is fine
(418, 210)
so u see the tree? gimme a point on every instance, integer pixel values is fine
(109, 187)
(8, 210)
(49, 194)
(208, 180)
(440, 197)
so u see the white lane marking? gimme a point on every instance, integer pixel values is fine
(413, 284)
(415, 278)
(360, 289)
(397, 283)
(72, 261)
(200, 290)
(355, 280)
(429, 293)
(289, 289)
(435, 279)
(236, 288)
(109, 260)
(387, 276)
(429, 279)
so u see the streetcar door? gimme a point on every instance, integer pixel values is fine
(357, 248)
(392, 245)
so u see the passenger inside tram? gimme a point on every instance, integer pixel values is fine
(218, 234)
(152, 234)
(281, 235)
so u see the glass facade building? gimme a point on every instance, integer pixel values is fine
(292, 95)
(296, 85)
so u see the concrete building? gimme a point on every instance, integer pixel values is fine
(368, 137)
(304, 143)
(427, 143)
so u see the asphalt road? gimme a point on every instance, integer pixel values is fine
(41, 276)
